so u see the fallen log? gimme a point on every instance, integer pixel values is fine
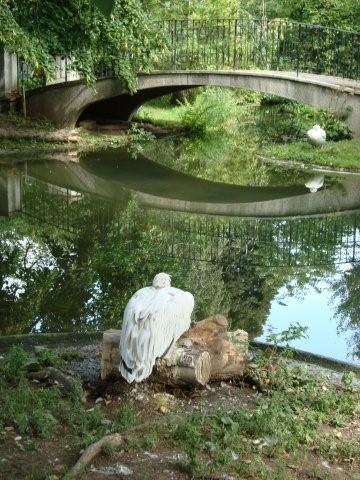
(205, 352)
(67, 384)
(115, 440)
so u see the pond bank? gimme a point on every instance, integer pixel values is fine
(343, 155)
(309, 166)
(88, 348)
(19, 134)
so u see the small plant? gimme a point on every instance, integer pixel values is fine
(125, 416)
(294, 332)
(39, 473)
(347, 380)
(138, 138)
(48, 357)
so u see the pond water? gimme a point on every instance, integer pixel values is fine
(79, 234)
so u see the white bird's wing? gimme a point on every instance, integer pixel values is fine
(154, 319)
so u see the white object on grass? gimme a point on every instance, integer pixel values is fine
(316, 136)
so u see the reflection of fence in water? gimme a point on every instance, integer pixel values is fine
(269, 242)
(312, 241)
(62, 207)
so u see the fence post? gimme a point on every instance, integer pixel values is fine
(8, 73)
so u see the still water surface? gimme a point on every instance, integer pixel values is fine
(78, 235)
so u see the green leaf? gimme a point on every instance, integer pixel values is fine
(226, 421)
(106, 6)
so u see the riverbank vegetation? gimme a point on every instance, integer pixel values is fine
(292, 425)
(257, 124)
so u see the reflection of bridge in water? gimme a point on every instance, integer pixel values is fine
(306, 241)
(298, 229)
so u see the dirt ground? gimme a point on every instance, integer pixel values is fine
(20, 454)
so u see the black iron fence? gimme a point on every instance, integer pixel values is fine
(234, 44)
(261, 44)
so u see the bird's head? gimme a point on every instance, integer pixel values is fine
(162, 280)
(316, 127)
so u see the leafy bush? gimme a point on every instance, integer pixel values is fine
(13, 368)
(213, 109)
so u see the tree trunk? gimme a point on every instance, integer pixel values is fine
(178, 98)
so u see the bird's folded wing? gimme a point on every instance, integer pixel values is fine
(153, 321)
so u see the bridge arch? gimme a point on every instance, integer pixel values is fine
(66, 103)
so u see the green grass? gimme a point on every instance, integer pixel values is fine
(343, 154)
(160, 112)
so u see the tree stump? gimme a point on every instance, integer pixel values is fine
(228, 350)
(205, 352)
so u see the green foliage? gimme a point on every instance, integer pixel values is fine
(289, 418)
(339, 13)
(294, 332)
(347, 290)
(125, 416)
(201, 9)
(13, 368)
(345, 154)
(30, 411)
(46, 357)
(138, 140)
(105, 6)
(214, 109)
(39, 473)
(39, 30)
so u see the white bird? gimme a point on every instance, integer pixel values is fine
(154, 318)
(316, 136)
(315, 183)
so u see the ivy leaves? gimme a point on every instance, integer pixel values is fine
(92, 33)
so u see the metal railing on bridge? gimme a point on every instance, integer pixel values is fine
(234, 44)
(262, 44)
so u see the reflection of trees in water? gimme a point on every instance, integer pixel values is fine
(347, 295)
(72, 262)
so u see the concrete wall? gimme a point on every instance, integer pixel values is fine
(64, 104)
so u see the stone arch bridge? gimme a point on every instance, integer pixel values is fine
(309, 63)
(66, 103)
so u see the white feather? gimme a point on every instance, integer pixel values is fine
(154, 319)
